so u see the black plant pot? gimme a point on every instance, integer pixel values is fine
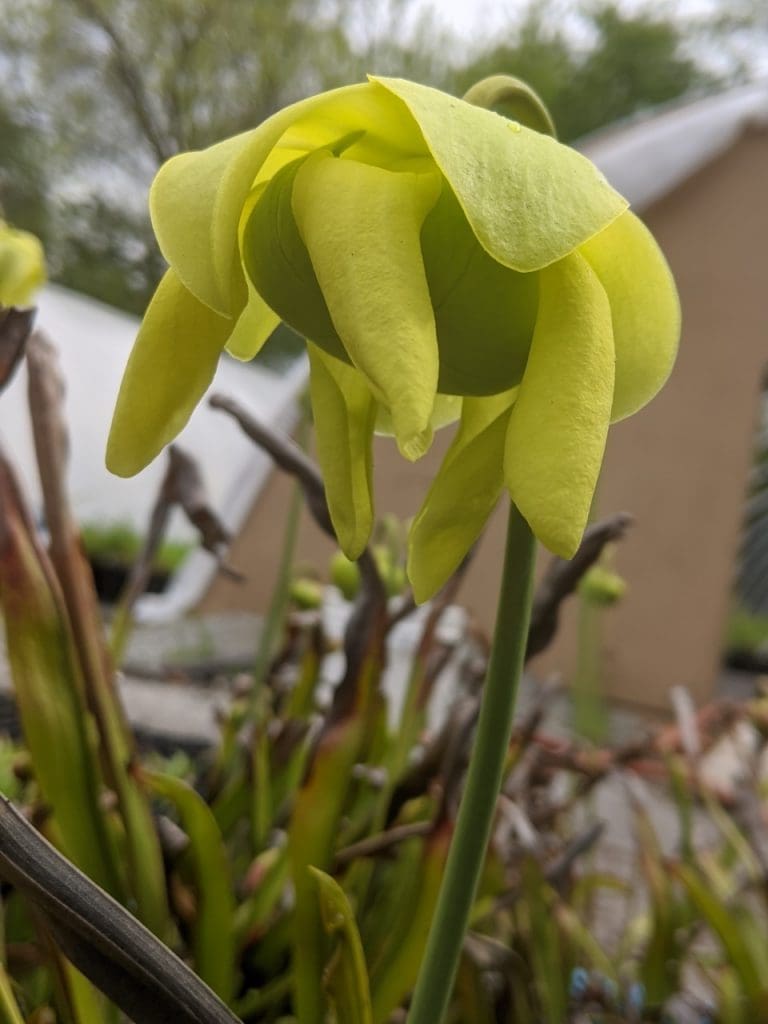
(110, 576)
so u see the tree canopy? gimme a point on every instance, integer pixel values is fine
(96, 94)
(633, 62)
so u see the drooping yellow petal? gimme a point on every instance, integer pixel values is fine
(172, 363)
(22, 266)
(644, 308)
(345, 413)
(447, 409)
(278, 271)
(385, 133)
(253, 328)
(558, 426)
(257, 321)
(462, 495)
(529, 199)
(197, 198)
(361, 227)
(276, 261)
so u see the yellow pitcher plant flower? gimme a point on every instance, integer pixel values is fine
(22, 266)
(441, 261)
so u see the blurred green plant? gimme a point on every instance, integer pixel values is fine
(746, 630)
(120, 543)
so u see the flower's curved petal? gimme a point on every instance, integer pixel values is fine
(195, 203)
(279, 273)
(22, 266)
(462, 495)
(644, 307)
(361, 227)
(172, 363)
(446, 410)
(278, 264)
(514, 99)
(257, 320)
(344, 412)
(484, 312)
(385, 133)
(197, 198)
(253, 327)
(559, 423)
(529, 199)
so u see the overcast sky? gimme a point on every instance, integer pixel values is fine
(476, 22)
(469, 18)
(465, 17)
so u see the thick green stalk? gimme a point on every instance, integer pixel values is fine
(475, 819)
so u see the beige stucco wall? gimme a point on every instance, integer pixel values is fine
(680, 466)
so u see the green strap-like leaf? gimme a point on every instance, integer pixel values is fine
(559, 423)
(345, 413)
(170, 368)
(529, 199)
(347, 975)
(361, 226)
(727, 926)
(9, 1008)
(49, 692)
(471, 479)
(214, 926)
(645, 309)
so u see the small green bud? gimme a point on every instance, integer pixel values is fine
(345, 575)
(601, 586)
(306, 594)
(392, 573)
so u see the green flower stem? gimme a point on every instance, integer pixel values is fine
(473, 827)
(9, 1008)
(278, 609)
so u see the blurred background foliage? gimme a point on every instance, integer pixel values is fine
(96, 94)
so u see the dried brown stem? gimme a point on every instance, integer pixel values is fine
(15, 328)
(562, 577)
(367, 627)
(383, 843)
